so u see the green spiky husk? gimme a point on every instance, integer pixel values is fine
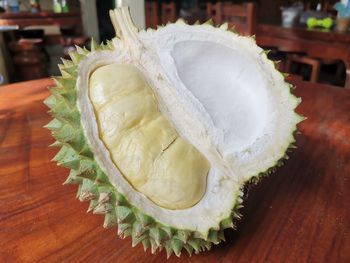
(94, 185)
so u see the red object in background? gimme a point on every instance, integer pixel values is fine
(151, 10)
(168, 13)
(29, 59)
(241, 16)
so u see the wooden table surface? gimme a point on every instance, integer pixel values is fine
(300, 214)
(315, 43)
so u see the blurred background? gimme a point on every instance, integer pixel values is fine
(308, 39)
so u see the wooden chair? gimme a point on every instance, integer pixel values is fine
(151, 11)
(314, 63)
(214, 11)
(168, 12)
(242, 17)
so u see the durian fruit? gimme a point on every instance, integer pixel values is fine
(161, 129)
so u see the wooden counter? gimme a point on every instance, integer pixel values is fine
(315, 43)
(24, 19)
(300, 214)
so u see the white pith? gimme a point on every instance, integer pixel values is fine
(236, 151)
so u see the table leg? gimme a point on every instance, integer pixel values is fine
(347, 76)
(3, 69)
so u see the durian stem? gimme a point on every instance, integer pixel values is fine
(123, 24)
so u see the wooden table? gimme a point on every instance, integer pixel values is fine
(23, 19)
(43, 20)
(300, 214)
(315, 43)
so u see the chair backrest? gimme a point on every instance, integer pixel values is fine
(326, 6)
(242, 17)
(168, 13)
(214, 11)
(151, 10)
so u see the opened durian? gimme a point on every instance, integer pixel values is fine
(163, 128)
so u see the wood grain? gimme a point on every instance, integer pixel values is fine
(300, 214)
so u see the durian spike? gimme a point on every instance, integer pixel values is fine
(81, 51)
(181, 21)
(93, 45)
(233, 29)
(224, 26)
(209, 22)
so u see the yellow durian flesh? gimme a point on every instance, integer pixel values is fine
(142, 143)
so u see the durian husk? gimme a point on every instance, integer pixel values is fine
(94, 185)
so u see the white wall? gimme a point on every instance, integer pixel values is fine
(89, 15)
(137, 9)
(89, 18)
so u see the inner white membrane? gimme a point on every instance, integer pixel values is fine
(228, 85)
